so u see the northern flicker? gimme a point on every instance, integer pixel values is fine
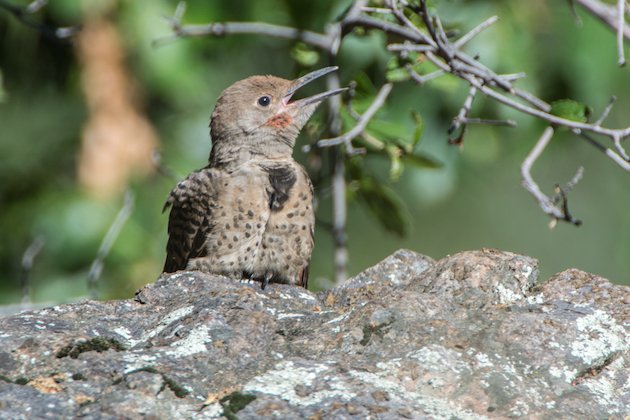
(249, 213)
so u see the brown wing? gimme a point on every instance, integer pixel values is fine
(189, 221)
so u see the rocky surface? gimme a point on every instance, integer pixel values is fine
(473, 335)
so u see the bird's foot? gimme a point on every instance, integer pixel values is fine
(248, 278)
(266, 279)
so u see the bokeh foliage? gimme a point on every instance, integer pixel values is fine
(412, 189)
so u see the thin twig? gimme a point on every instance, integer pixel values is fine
(623, 163)
(422, 79)
(512, 77)
(25, 15)
(347, 138)
(605, 13)
(338, 182)
(561, 194)
(338, 188)
(410, 47)
(484, 121)
(382, 10)
(620, 149)
(475, 31)
(28, 260)
(620, 25)
(460, 119)
(162, 169)
(423, 38)
(553, 119)
(434, 43)
(370, 22)
(607, 110)
(108, 241)
(36, 6)
(340, 204)
(545, 203)
(219, 29)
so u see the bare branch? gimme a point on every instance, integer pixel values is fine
(382, 10)
(108, 241)
(253, 28)
(546, 204)
(513, 76)
(219, 29)
(35, 6)
(620, 24)
(25, 15)
(607, 110)
(623, 163)
(432, 41)
(505, 123)
(410, 47)
(421, 36)
(338, 187)
(475, 31)
(620, 149)
(356, 131)
(28, 260)
(422, 79)
(607, 14)
(162, 169)
(553, 119)
(460, 119)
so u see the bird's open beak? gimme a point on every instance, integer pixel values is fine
(298, 83)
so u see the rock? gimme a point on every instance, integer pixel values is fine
(473, 335)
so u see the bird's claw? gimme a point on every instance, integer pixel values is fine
(266, 279)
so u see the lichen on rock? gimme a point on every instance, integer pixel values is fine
(474, 335)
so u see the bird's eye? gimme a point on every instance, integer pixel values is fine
(264, 100)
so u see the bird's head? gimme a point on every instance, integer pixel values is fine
(257, 117)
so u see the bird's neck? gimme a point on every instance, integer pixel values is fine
(232, 154)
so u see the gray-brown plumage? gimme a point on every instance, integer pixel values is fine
(249, 213)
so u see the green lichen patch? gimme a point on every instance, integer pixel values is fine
(178, 390)
(98, 344)
(369, 330)
(234, 403)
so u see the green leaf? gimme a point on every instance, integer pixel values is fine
(395, 71)
(419, 131)
(304, 55)
(397, 75)
(3, 93)
(385, 205)
(396, 166)
(422, 160)
(570, 110)
(364, 84)
(393, 131)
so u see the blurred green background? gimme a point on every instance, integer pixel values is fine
(474, 200)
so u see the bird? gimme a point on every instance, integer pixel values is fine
(249, 213)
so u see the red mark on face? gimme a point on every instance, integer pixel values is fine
(282, 120)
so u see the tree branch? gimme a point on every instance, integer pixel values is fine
(218, 29)
(607, 14)
(475, 31)
(460, 119)
(621, 21)
(108, 241)
(434, 43)
(25, 15)
(28, 260)
(546, 204)
(356, 131)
